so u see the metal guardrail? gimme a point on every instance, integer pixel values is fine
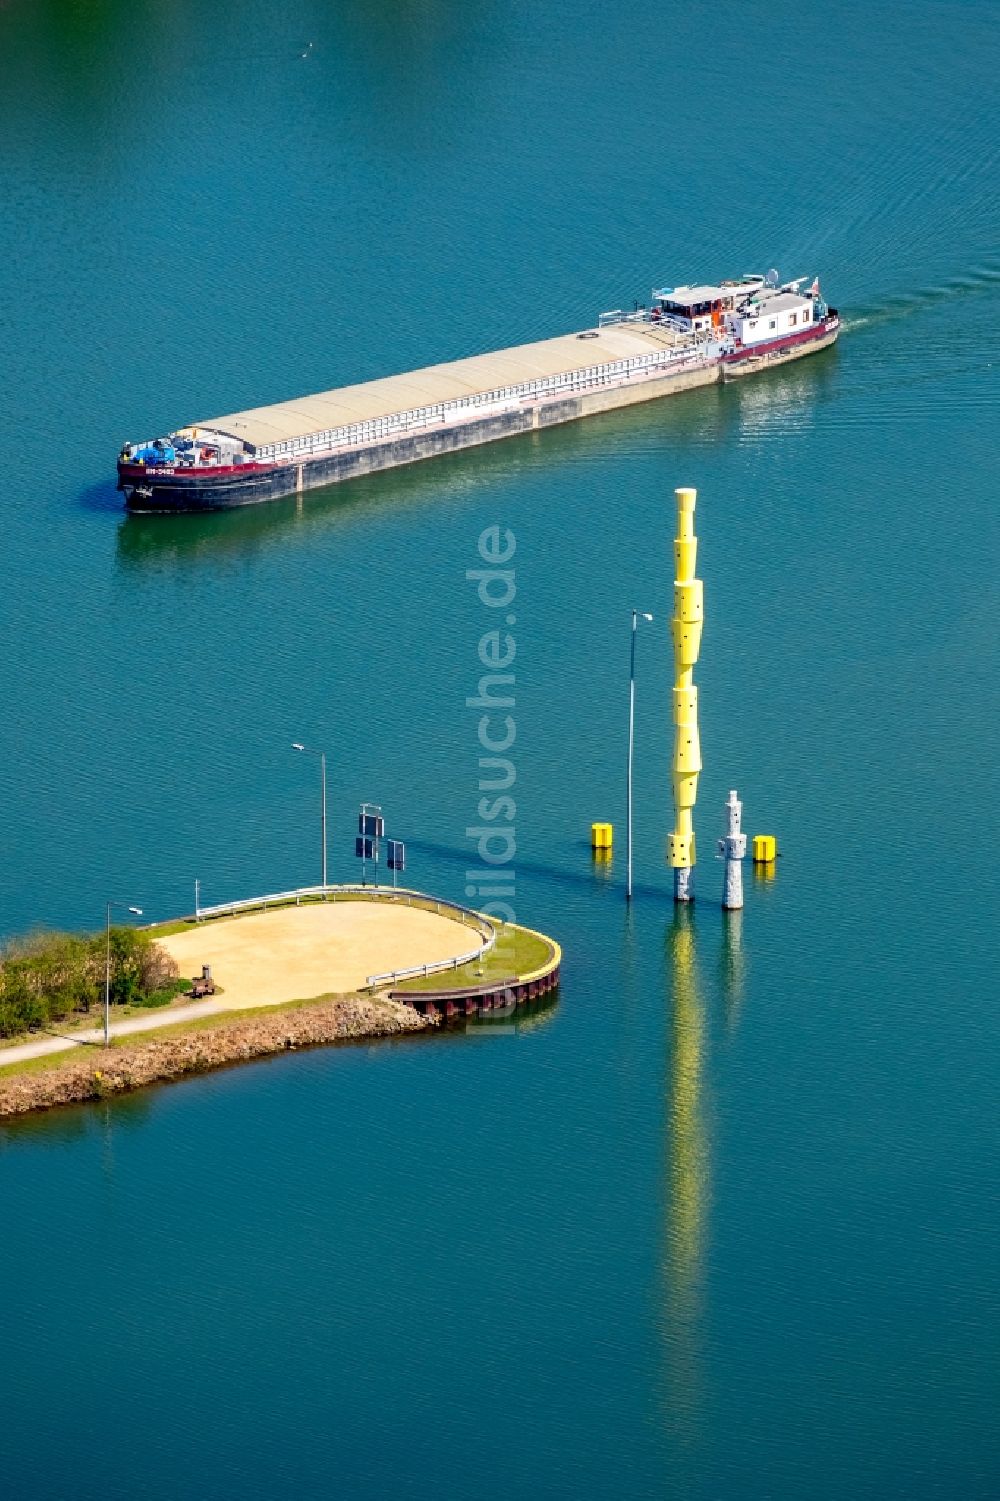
(399, 894)
(287, 899)
(391, 976)
(482, 924)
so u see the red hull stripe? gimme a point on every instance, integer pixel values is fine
(138, 474)
(787, 341)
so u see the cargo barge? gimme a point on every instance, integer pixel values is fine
(689, 336)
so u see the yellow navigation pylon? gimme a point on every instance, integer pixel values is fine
(685, 628)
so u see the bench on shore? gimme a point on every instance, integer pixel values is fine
(204, 985)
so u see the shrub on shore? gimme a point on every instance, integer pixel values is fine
(162, 997)
(49, 976)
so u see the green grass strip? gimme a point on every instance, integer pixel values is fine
(517, 952)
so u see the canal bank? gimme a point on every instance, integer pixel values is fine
(265, 952)
(523, 966)
(95, 1073)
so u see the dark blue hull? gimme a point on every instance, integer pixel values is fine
(199, 492)
(204, 491)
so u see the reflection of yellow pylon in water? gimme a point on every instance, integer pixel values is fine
(689, 1162)
(688, 1149)
(685, 628)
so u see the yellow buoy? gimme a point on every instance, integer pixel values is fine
(765, 849)
(601, 835)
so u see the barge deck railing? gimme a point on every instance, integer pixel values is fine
(696, 348)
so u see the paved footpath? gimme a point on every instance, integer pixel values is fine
(59, 1044)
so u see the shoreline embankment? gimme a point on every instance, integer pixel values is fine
(95, 1073)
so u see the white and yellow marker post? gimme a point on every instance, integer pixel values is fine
(685, 629)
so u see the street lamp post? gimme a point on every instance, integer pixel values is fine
(636, 615)
(311, 751)
(107, 969)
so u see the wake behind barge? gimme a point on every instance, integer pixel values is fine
(689, 336)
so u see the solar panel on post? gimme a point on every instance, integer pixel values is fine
(370, 830)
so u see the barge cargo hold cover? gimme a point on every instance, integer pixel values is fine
(689, 337)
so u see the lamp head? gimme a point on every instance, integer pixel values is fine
(297, 746)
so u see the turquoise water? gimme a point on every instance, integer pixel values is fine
(722, 1221)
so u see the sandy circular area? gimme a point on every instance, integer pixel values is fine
(297, 953)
